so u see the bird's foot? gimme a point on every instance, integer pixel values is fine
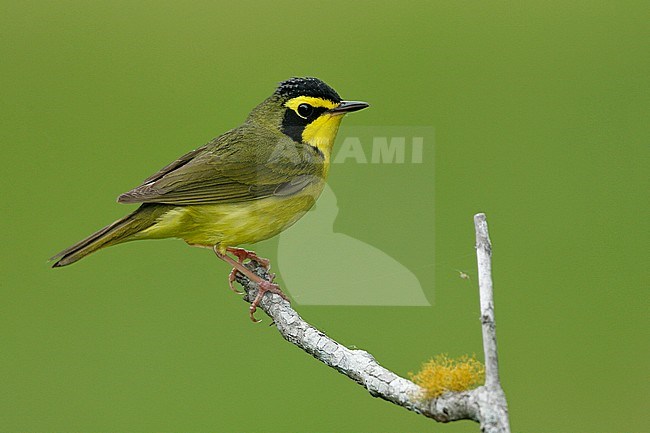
(238, 267)
(243, 254)
(263, 287)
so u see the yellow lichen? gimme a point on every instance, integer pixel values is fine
(443, 373)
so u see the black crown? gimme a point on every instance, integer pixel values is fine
(308, 86)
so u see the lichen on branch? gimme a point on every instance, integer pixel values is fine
(442, 374)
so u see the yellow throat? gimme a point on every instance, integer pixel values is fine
(322, 131)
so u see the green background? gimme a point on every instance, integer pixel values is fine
(541, 118)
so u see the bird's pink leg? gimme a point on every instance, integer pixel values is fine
(263, 285)
(243, 254)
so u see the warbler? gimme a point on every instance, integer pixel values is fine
(242, 187)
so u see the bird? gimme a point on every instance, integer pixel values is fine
(244, 186)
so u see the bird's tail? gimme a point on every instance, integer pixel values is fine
(120, 231)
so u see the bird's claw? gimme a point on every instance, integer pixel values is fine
(252, 311)
(231, 279)
(263, 287)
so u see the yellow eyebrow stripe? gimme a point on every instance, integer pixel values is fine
(311, 100)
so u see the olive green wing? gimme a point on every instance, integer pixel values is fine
(240, 165)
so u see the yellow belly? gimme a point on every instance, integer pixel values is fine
(232, 224)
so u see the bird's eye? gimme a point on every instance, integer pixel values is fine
(305, 110)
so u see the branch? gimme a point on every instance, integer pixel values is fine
(485, 404)
(495, 418)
